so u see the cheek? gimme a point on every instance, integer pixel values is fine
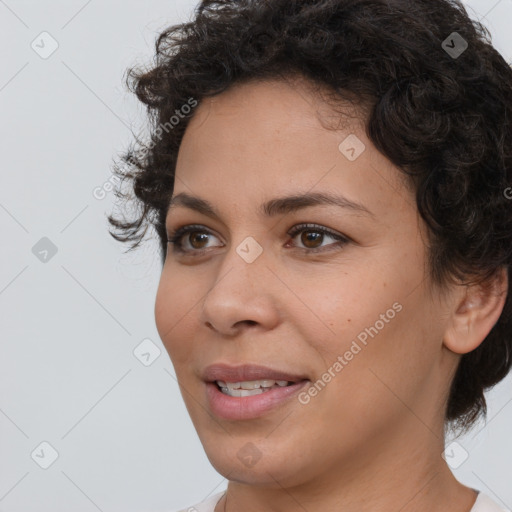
(174, 310)
(387, 361)
(365, 385)
(374, 324)
(163, 309)
(343, 307)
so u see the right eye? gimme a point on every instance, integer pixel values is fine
(200, 235)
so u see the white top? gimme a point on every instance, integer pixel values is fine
(483, 503)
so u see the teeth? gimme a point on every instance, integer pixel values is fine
(243, 392)
(252, 384)
(249, 387)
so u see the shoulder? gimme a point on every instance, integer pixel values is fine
(484, 503)
(207, 505)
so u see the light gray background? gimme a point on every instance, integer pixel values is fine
(69, 326)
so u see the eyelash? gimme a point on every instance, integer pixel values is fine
(175, 237)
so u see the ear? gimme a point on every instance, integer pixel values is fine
(476, 312)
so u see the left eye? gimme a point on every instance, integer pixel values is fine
(311, 235)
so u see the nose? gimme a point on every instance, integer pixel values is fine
(242, 297)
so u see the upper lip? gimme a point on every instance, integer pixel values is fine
(228, 373)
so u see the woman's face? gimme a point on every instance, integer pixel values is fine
(354, 318)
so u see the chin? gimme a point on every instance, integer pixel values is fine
(245, 462)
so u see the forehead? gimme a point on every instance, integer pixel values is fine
(281, 101)
(269, 139)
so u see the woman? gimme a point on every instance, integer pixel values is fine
(328, 182)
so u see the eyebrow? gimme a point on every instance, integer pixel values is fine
(273, 207)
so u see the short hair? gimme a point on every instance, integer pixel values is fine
(437, 98)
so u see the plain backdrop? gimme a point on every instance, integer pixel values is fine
(87, 422)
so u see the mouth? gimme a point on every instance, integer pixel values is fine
(249, 374)
(249, 391)
(247, 404)
(251, 387)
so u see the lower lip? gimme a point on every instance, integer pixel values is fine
(249, 407)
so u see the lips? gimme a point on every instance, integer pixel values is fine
(228, 373)
(242, 408)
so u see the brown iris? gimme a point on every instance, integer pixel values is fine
(195, 235)
(310, 236)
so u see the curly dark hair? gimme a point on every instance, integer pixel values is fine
(443, 118)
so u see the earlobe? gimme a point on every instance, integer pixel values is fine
(476, 312)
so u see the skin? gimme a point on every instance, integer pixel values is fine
(372, 438)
